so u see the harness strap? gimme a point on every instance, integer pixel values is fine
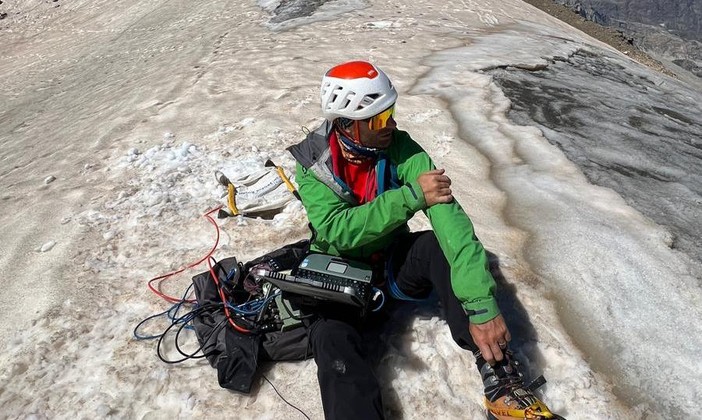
(393, 288)
(386, 173)
(388, 180)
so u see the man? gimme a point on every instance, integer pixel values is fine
(361, 179)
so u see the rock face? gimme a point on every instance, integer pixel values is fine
(680, 17)
(670, 30)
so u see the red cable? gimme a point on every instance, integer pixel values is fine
(160, 279)
(171, 299)
(224, 300)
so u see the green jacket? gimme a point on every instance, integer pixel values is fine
(345, 228)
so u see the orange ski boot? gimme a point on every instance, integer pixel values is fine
(506, 397)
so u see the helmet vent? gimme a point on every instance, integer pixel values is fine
(334, 96)
(368, 100)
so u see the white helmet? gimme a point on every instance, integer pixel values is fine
(356, 90)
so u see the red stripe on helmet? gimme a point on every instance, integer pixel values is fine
(353, 70)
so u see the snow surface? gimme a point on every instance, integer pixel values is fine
(131, 106)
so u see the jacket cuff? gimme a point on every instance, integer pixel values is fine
(481, 311)
(414, 196)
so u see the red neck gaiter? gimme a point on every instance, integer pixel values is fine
(359, 177)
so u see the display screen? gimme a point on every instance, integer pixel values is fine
(336, 267)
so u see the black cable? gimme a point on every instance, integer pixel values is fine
(192, 313)
(248, 325)
(144, 321)
(175, 307)
(160, 342)
(202, 346)
(283, 398)
(183, 322)
(216, 329)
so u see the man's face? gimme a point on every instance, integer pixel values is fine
(376, 132)
(377, 139)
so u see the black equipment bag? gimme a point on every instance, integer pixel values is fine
(234, 354)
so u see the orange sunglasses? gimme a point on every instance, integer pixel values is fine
(379, 121)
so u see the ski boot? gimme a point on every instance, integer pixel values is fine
(506, 397)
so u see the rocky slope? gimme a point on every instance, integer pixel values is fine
(670, 30)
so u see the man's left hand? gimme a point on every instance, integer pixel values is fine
(491, 338)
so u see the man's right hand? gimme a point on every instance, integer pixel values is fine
(435, 186)
(491, 338)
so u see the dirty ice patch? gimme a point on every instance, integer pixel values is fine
(287, 14)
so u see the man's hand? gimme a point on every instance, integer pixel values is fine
(435, 186)
(491, 338)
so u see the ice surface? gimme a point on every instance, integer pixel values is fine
(646, 145)
(601, 273)
(133, 105)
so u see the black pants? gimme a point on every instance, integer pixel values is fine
(348, 385)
